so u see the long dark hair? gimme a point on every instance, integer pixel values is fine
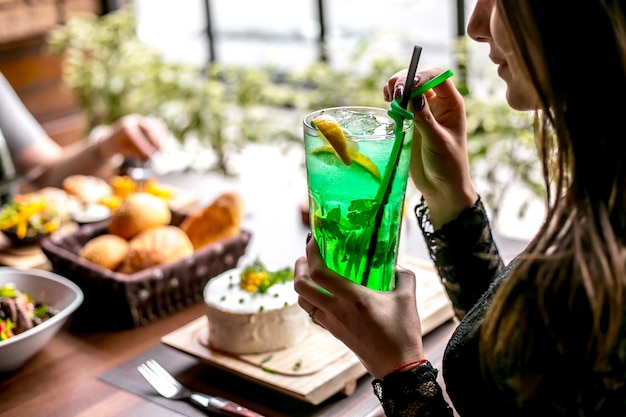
(563, 307)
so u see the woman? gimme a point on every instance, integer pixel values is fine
(544, 335)
(29, 156)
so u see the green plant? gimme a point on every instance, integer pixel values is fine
(113, 73)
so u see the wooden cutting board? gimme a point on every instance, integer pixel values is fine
(320, 366)
(24, 257)
(324, 365)
(28, 256)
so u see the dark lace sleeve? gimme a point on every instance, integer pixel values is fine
(464, 254)
(412, 393)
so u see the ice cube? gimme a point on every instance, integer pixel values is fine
(358, 123)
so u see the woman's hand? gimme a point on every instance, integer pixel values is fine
(134, 136)
(439, 161)
(382, 328)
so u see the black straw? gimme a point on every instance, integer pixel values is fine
(408, 88)
(410, 78)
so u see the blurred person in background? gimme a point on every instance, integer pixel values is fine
(30, 159)
(544, 335)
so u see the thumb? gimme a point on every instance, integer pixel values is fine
(405, 280)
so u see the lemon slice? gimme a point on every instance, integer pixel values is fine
(332, 133)
(355, 156)
(348, 152)
(366, 163)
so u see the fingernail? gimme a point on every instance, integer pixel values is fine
(419, 102)
(308, 237)
(398, 91)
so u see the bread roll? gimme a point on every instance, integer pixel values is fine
(88, 188)
(157, 246)
(108, 251)
(219, 220)
(139, 212)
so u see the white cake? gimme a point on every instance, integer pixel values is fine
(244, 321)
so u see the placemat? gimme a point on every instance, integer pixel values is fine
(202, 377)
(127, 377)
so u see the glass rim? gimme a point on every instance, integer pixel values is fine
(306, 120)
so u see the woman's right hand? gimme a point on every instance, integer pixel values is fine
(439, 160)
(381, 327)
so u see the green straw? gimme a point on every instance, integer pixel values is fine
(390, 172)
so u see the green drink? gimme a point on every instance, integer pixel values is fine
(356, 190)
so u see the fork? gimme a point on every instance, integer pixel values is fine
(167, 386)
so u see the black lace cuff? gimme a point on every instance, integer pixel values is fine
(412, 393)
(472, 218)
(464, 253)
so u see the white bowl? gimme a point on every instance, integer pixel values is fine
(91, 213)
(50, 288)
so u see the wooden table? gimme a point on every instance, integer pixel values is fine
(63, 379)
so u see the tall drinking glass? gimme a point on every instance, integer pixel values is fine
(356, 194)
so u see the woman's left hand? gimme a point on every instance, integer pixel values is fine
(382, 328)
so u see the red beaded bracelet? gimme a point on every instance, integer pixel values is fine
(406, 365)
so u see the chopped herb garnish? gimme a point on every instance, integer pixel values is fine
(296, 366)
(261, 308)
(267, 359)
(41, 311)
(257, 278)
